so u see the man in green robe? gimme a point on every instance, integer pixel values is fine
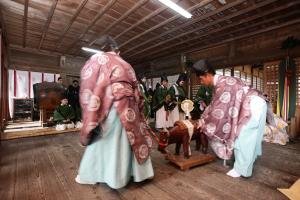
(64, 113)
(203, 97)
(160, 100)
(146, 96)
(177, 95)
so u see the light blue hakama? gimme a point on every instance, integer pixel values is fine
(248, 145)
(109, 159)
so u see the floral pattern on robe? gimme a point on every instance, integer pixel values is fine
(228, 112)
(106, 79)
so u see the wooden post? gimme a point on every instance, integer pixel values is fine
(293, 133)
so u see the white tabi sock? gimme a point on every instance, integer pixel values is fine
(233, 173)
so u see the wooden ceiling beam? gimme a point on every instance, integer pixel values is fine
(25, 22)
(267, 29)
(241, 12)
(124, 16)
(50, 15)
(97, 17)
(246, 20)
(250, 34)
(41, 51)
(152, 14)
(78, 10)
(221, 9)
(165, 22)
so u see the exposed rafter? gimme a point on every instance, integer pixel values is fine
(156, 12)
(41, 51)
(97, 17)
(164, 22)
(241, 12)
(191, 40)
(50, 15)
(25, 22)
(221, 9)
(131, 10)
(197, 46)
(63, 26)
(296, 21)
(80, 7)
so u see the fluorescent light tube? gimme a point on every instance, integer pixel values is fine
(177, 8)
(91, 50)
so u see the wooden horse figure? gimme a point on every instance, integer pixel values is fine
(179, 134)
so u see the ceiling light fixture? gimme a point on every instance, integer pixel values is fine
(177, 8)
(91, 50)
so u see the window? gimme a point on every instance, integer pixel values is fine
(260, 85)
(227, 72)
(219, 72)
(271, 81)
(195, 84)
(237, 73)
(254, 82)
(243, 77)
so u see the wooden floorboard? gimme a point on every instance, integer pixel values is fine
(45, 167)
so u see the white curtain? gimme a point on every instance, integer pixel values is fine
(48, 77)
(36, 77)
(10, 91)
(22, 84)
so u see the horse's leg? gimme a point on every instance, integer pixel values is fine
(177, 148)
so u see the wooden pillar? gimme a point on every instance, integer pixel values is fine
(188, 84)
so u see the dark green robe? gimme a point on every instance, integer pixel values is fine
(64, 112)
(204, 94)
(147, 101)
(159, 97)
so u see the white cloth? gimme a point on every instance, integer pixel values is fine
(190, 128)
(276, 133)
(36, 77)
(61, 127)
(160, 120)
(22, 84)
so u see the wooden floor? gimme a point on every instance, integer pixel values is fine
(45, 168)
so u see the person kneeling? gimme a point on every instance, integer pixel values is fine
(64, 115)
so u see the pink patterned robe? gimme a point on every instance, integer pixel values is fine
(227, 113)
(106, 79)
